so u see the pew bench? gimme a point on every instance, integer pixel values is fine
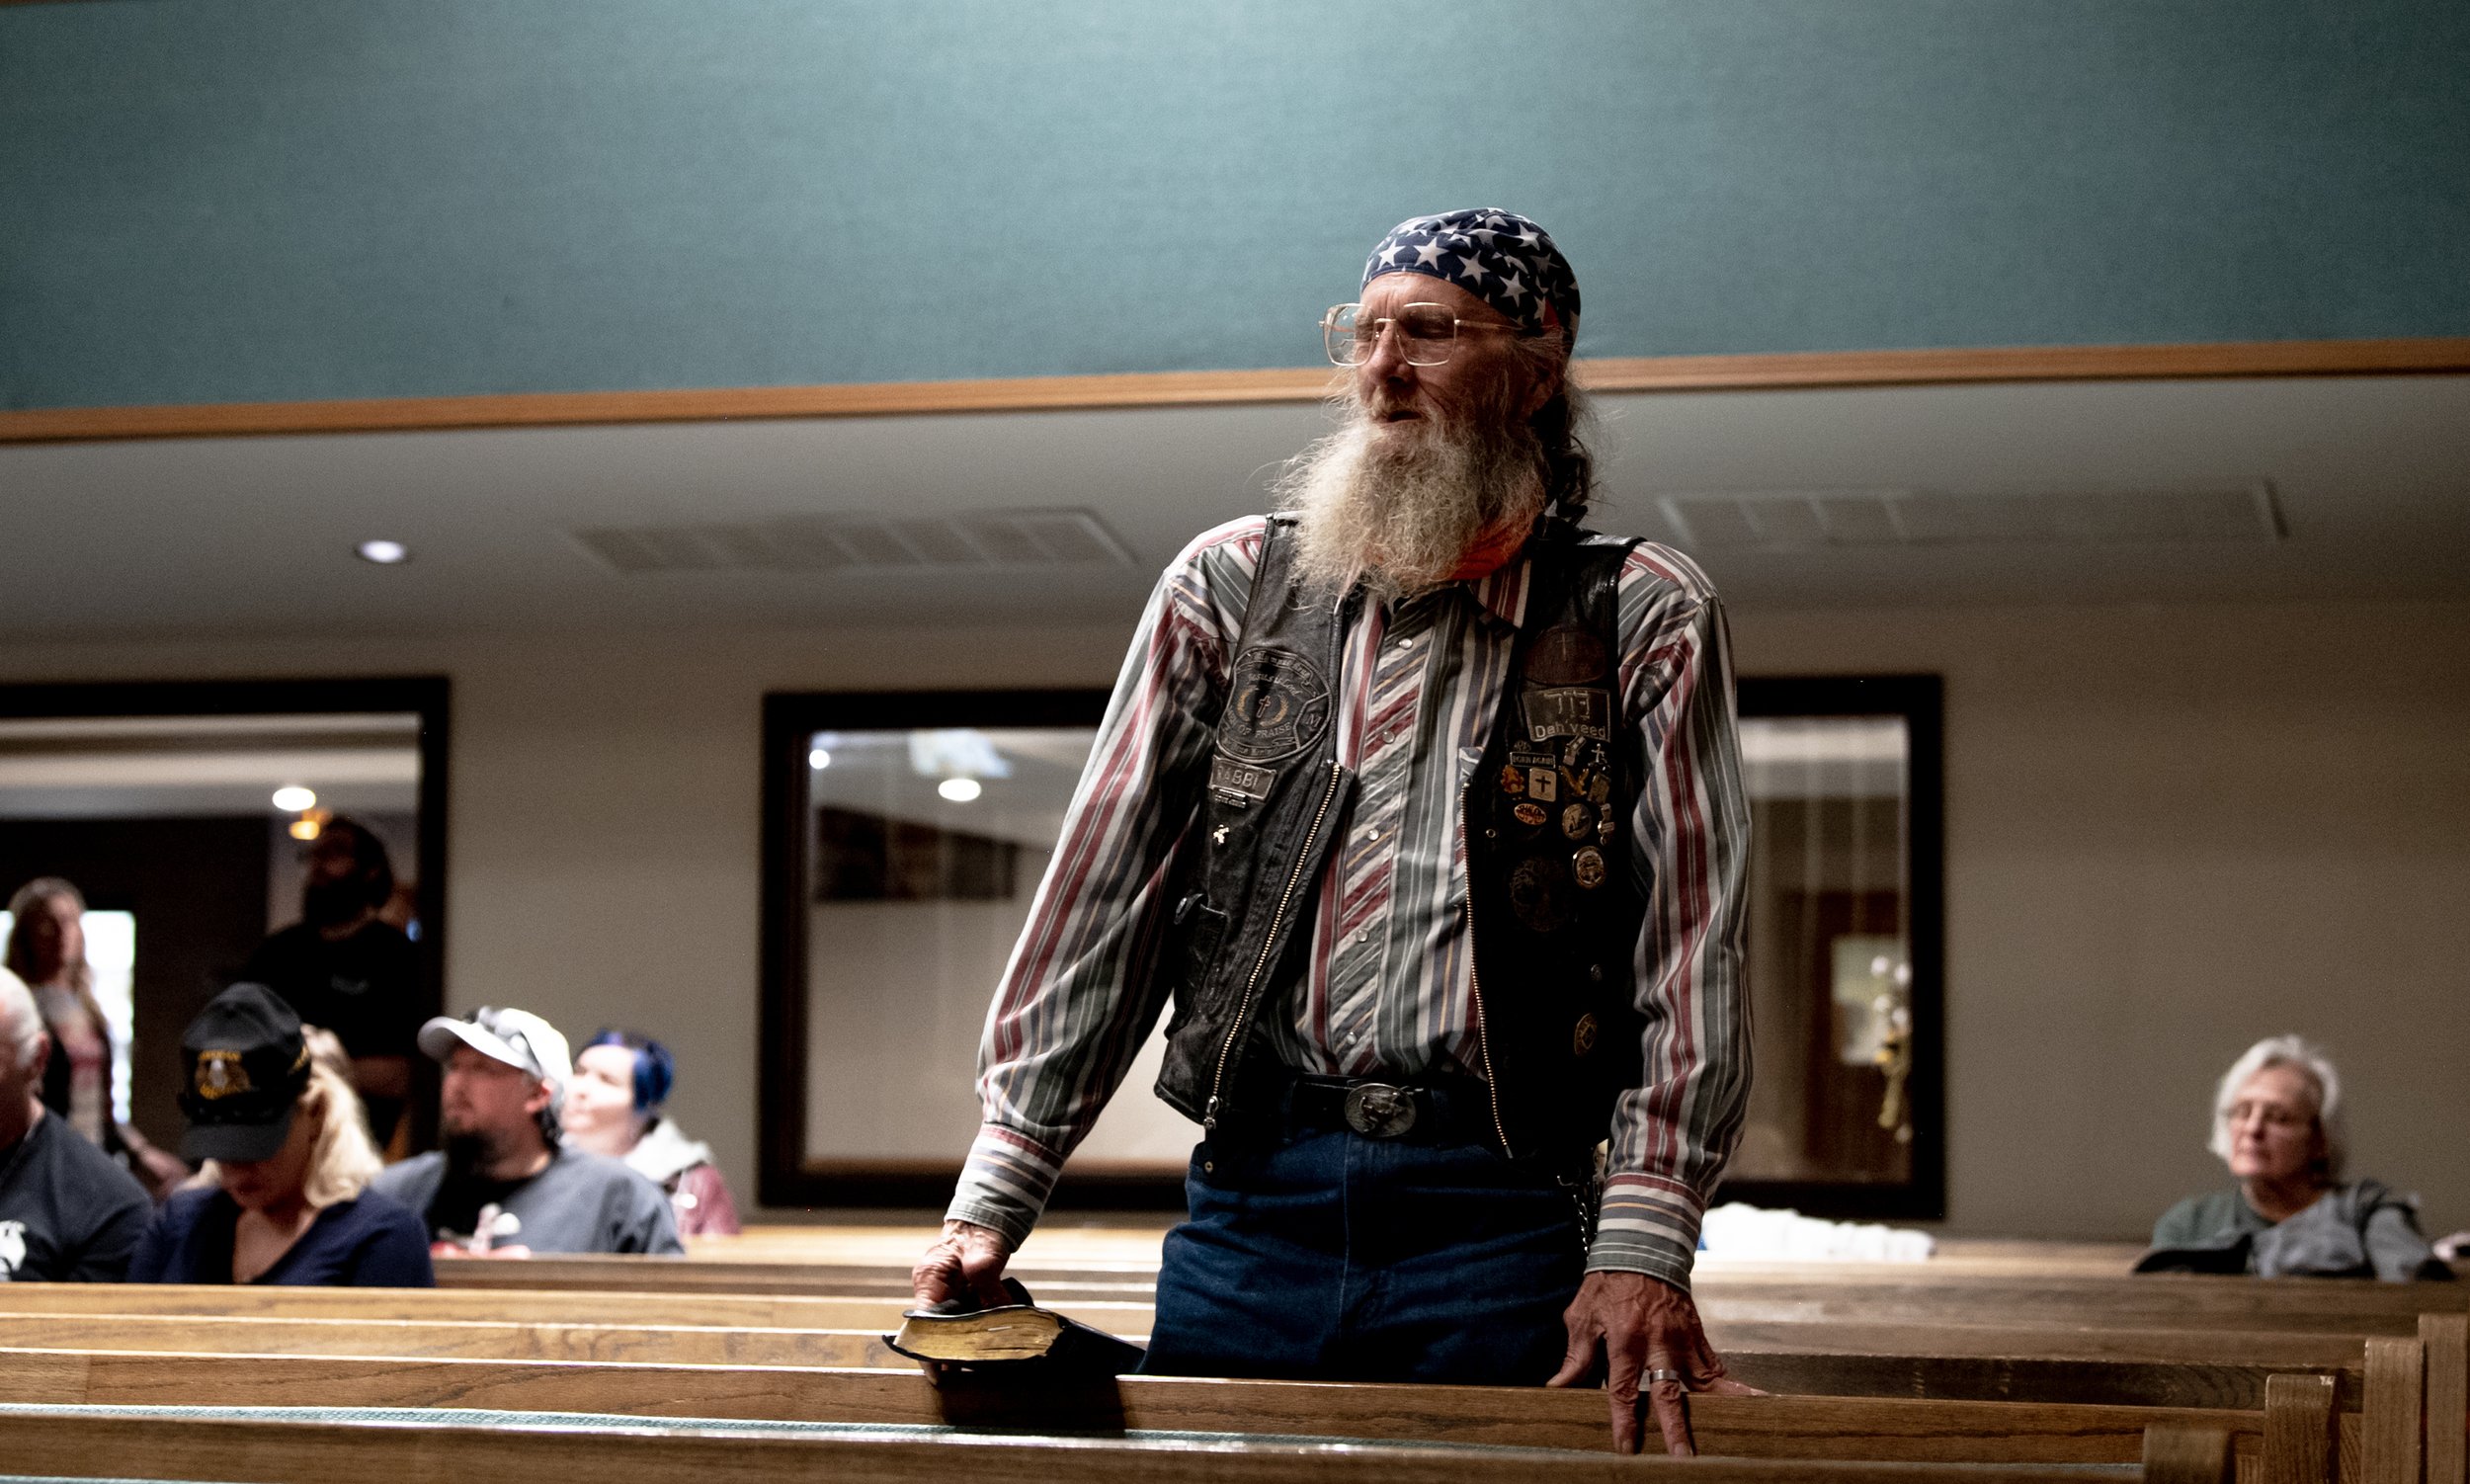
(309, 1447)
(1768, 1293)
(1760, 1427)
(2145, 1367)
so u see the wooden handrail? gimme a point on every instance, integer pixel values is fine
(1802, 370)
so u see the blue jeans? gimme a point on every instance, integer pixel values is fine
(1333, 1257)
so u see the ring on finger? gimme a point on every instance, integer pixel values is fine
(1654, 1376)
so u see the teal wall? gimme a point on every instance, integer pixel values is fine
(243, 199)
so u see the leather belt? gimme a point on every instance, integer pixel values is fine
(1431, 1112)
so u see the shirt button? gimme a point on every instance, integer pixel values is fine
(1372, 833)
(1363, 936)
(1406, 643)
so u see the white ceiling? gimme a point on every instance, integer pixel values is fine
(254, 536)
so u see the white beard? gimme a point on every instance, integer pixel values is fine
(1400, 507)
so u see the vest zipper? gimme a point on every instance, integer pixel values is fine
(1269, 942)
(1474, 979)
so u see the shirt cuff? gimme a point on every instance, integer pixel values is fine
(1648, 1224)
(1004, 1183)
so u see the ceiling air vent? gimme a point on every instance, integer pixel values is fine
(983, 540)
(1945, 517)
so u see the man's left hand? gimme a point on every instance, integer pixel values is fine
(1637, 1324)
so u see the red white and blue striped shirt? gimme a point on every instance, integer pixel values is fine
(1387, 987)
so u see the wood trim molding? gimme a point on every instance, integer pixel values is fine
(1658, 374)
(2058, 362)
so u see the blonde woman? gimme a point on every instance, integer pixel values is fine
(289, 1161)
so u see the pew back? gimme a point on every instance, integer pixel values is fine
(1759, 1426)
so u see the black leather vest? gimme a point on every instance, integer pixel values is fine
(1554, 904)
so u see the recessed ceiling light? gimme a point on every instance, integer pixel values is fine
(295, 800)
(383, 553)
(959, 791)
(819, 759)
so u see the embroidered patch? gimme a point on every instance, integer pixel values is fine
(1566, 655)
(1239, 783)
(220, 1074)
(1540, 894)
(1568, 711)
(1278, 707)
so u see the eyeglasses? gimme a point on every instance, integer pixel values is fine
(1427, 333)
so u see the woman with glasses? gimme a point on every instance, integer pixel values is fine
(2277, 1125)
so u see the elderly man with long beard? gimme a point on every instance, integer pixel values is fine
(1420, 806)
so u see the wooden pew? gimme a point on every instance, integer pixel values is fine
(2446, 1341)
(2165, 1369)
(666, 1345)
(1915, 1293)
(667, 1274)
(1799, 1428)
(250, 1450)
(2194, 1369)
(514, 1306)
(2173, 1301)
(2399, 1445)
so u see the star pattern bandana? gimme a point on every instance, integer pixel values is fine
(1500, 257)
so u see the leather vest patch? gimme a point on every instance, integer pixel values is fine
(1276, 707)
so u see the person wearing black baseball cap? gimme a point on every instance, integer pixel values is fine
(288, 1151)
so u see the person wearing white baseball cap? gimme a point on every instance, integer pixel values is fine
(506, 1185)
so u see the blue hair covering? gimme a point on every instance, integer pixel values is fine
(655, 1070)
(1500, 257)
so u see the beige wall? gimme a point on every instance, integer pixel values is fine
(2169, 830)
(2172, 832)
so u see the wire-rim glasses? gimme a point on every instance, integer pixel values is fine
(1427, 333)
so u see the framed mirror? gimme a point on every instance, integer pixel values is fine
(185, 815)
(905, 835)
(1846, 1109)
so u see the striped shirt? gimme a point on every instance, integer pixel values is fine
(1387, 987)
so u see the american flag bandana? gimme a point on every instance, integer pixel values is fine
(1500, 257)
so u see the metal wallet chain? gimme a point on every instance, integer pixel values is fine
(1586, 1195)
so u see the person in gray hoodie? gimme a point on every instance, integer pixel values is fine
(2277, 1125)
(613, 1108)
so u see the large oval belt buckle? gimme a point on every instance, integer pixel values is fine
(1378, 1110)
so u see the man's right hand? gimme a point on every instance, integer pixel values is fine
(966, 1261)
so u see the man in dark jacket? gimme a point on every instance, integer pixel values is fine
(344, 968)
